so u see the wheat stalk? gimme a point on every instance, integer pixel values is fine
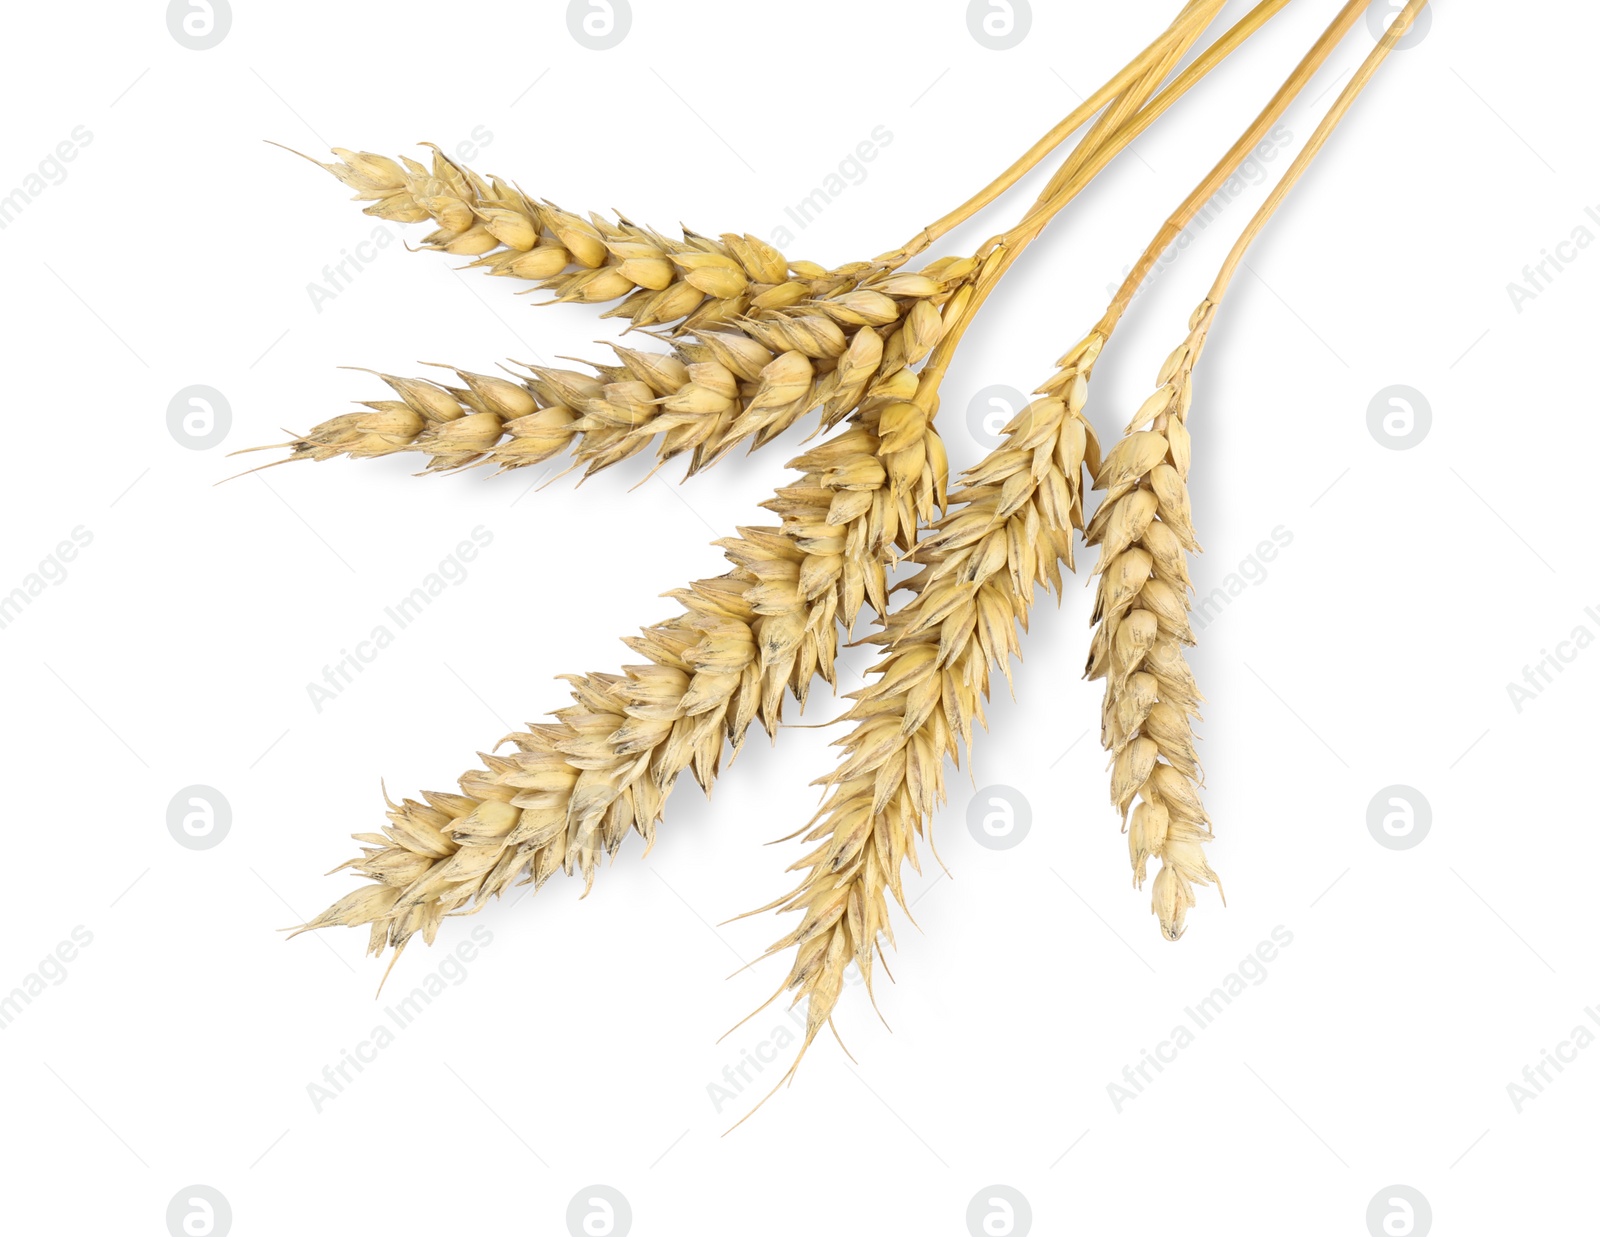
(1186, 27)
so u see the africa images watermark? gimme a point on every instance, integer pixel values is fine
(1542, 673)
(352, 1062)
(753, 1062)
(851, 170)
(451, 571)
(1536, 1077)
(338, 276)
(51, 570)
(1251, 570)
(51, 170)
(1538, 276)
(1250, 973)
(50, 973)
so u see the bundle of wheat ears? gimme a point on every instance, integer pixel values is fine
(747, 343)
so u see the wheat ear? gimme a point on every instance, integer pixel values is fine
(695, 281)
(1009, 528)
(748, 380)
(1142, 603)
(1144, 528)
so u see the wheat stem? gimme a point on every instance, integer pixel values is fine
(1330, 121)
(1218, 51)
(1194, 17)
(1218, 176)
(1106, 139)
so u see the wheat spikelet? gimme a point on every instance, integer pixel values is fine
(1009, 527)
(1144, 530)
(748, 380)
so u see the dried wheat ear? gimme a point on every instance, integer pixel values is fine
(1008, 529)
(1145, 534)
(747, 381)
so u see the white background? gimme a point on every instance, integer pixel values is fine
(581, 1046)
